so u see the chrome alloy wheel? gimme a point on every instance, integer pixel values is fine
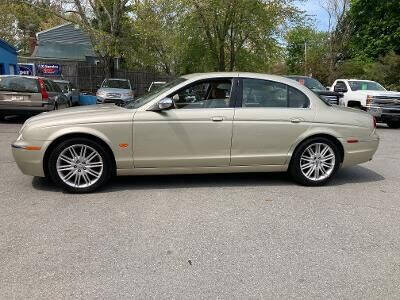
(79, 166)
(317, 162)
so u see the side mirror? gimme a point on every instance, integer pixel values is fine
(339, 89)
(164, 104)
(175, 97)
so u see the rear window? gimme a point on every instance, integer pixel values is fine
(19, 84)
(63, 86)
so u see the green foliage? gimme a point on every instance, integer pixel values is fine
(19, 21)
(376, 29)
(315, 61)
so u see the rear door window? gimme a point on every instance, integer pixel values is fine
(19, 84)
(268, 94)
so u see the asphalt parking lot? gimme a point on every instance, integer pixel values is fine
(203, 236)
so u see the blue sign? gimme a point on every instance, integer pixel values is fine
(26, 69)
(49, 69)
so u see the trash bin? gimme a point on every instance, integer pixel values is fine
(85, 99)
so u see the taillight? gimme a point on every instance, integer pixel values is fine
(45, 95)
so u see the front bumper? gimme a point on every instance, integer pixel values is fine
(384, 113)
(29, 156)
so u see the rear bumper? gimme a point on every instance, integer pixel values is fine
(9, 109)
(360, 152)
(30, 162)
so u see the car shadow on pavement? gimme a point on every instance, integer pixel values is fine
(357, 174)
(15, 119)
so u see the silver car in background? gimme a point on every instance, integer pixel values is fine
(29, 94)
(114, 90)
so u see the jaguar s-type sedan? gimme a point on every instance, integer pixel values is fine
(199, 123)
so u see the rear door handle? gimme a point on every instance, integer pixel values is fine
(217, 119)
(296, 120)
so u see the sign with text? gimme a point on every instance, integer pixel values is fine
(49, 69)
(26, 69)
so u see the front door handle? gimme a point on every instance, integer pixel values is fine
(217, 119)
(296, 120)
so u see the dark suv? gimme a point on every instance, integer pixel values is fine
(317, 87)
(28, 95)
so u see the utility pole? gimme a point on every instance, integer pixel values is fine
(305, 58)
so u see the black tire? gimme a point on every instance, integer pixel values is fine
(394, 124)
(106, 173)
(295, 169)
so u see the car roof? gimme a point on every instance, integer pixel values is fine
(201, 76)
(298, 76)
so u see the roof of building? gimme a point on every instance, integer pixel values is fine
(66, 41)
(8, 47)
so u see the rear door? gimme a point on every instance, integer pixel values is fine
(267, 122)
(19, 91)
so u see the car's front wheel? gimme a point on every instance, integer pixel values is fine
(315, 161)
(80, 165)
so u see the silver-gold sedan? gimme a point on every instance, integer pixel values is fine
(199, 123)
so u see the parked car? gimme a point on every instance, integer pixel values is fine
(317, 87)
(115, 90)
(372, 97)
(239, 122)
(29, 94)
(156, 84)
(69, 91)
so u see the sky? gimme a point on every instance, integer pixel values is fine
(314, 9)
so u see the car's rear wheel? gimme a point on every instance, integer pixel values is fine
(315, 161)
(80, 165)
(393, 124)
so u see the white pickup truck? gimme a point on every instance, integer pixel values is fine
(372, 97)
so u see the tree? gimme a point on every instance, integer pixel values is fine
(340, 33)
(18, 22)
(233, 30)
(376, 27)
(308, 52)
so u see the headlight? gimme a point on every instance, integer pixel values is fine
(129, 94)
(370, 100)
(101, 94)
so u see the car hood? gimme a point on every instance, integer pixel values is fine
(380, 93)
(82, 115)
(113, 90)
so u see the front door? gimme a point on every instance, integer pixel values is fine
(268, 122)
(196, 133)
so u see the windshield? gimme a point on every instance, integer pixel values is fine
(365, 86)
(146, 98)
(19, 84)
(311, 83)
(63, 86)
(116, 84)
